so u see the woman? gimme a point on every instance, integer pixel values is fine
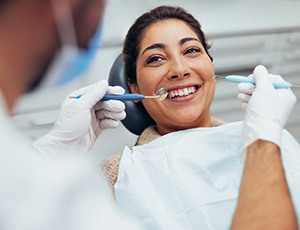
(183, 171)
(195, 75)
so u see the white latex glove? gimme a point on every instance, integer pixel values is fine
(267, 109)
(246, 90)
(81, 120)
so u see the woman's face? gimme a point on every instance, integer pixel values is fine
(172, 57)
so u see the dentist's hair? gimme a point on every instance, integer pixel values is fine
(133, 38)
(2, 2)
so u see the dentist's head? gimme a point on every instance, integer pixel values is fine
(46, 42)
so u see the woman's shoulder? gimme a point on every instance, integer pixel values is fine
(217, 122)
(110, 168)
(148, 135)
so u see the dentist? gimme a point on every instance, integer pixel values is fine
(47, 44)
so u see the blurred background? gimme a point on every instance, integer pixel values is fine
(243, 34)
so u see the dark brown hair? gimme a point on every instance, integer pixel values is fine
(135, 33)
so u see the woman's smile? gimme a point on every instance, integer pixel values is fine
(182, 92)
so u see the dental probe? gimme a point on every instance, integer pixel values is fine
(160, 95)
(241, 79)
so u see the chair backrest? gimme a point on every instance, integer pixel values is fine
(137, 118)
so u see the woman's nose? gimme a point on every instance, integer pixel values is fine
(179, 69)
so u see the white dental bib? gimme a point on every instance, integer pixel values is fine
(190, 179)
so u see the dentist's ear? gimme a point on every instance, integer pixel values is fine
(87, 15)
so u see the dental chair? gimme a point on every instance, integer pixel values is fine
(137, 119)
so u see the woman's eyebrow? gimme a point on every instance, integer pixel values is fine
(163, 46)
(154, 46)
(187, 39)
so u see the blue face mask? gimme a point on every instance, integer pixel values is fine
(71, 61)
(81, 61)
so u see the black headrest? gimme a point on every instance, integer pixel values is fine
(137, 118)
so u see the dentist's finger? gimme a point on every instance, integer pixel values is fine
(244, 98)
(108, 123)
(104, 114)
(246, 88)
(112, 105)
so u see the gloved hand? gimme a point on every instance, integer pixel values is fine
(81, 120)
(267, 109)
(246, 89)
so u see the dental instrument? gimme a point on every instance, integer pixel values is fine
(160, 95)
(243, 79)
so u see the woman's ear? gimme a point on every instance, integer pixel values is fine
(133, 88)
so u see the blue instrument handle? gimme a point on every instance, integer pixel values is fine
(119, 97)
(240, 79)
(123, 97)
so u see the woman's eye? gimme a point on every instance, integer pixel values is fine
(192, 50)
(153, 59)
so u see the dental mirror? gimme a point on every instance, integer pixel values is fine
(162, 94)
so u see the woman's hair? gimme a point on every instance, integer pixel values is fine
(135, 34)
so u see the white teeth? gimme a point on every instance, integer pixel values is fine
(182, 92)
